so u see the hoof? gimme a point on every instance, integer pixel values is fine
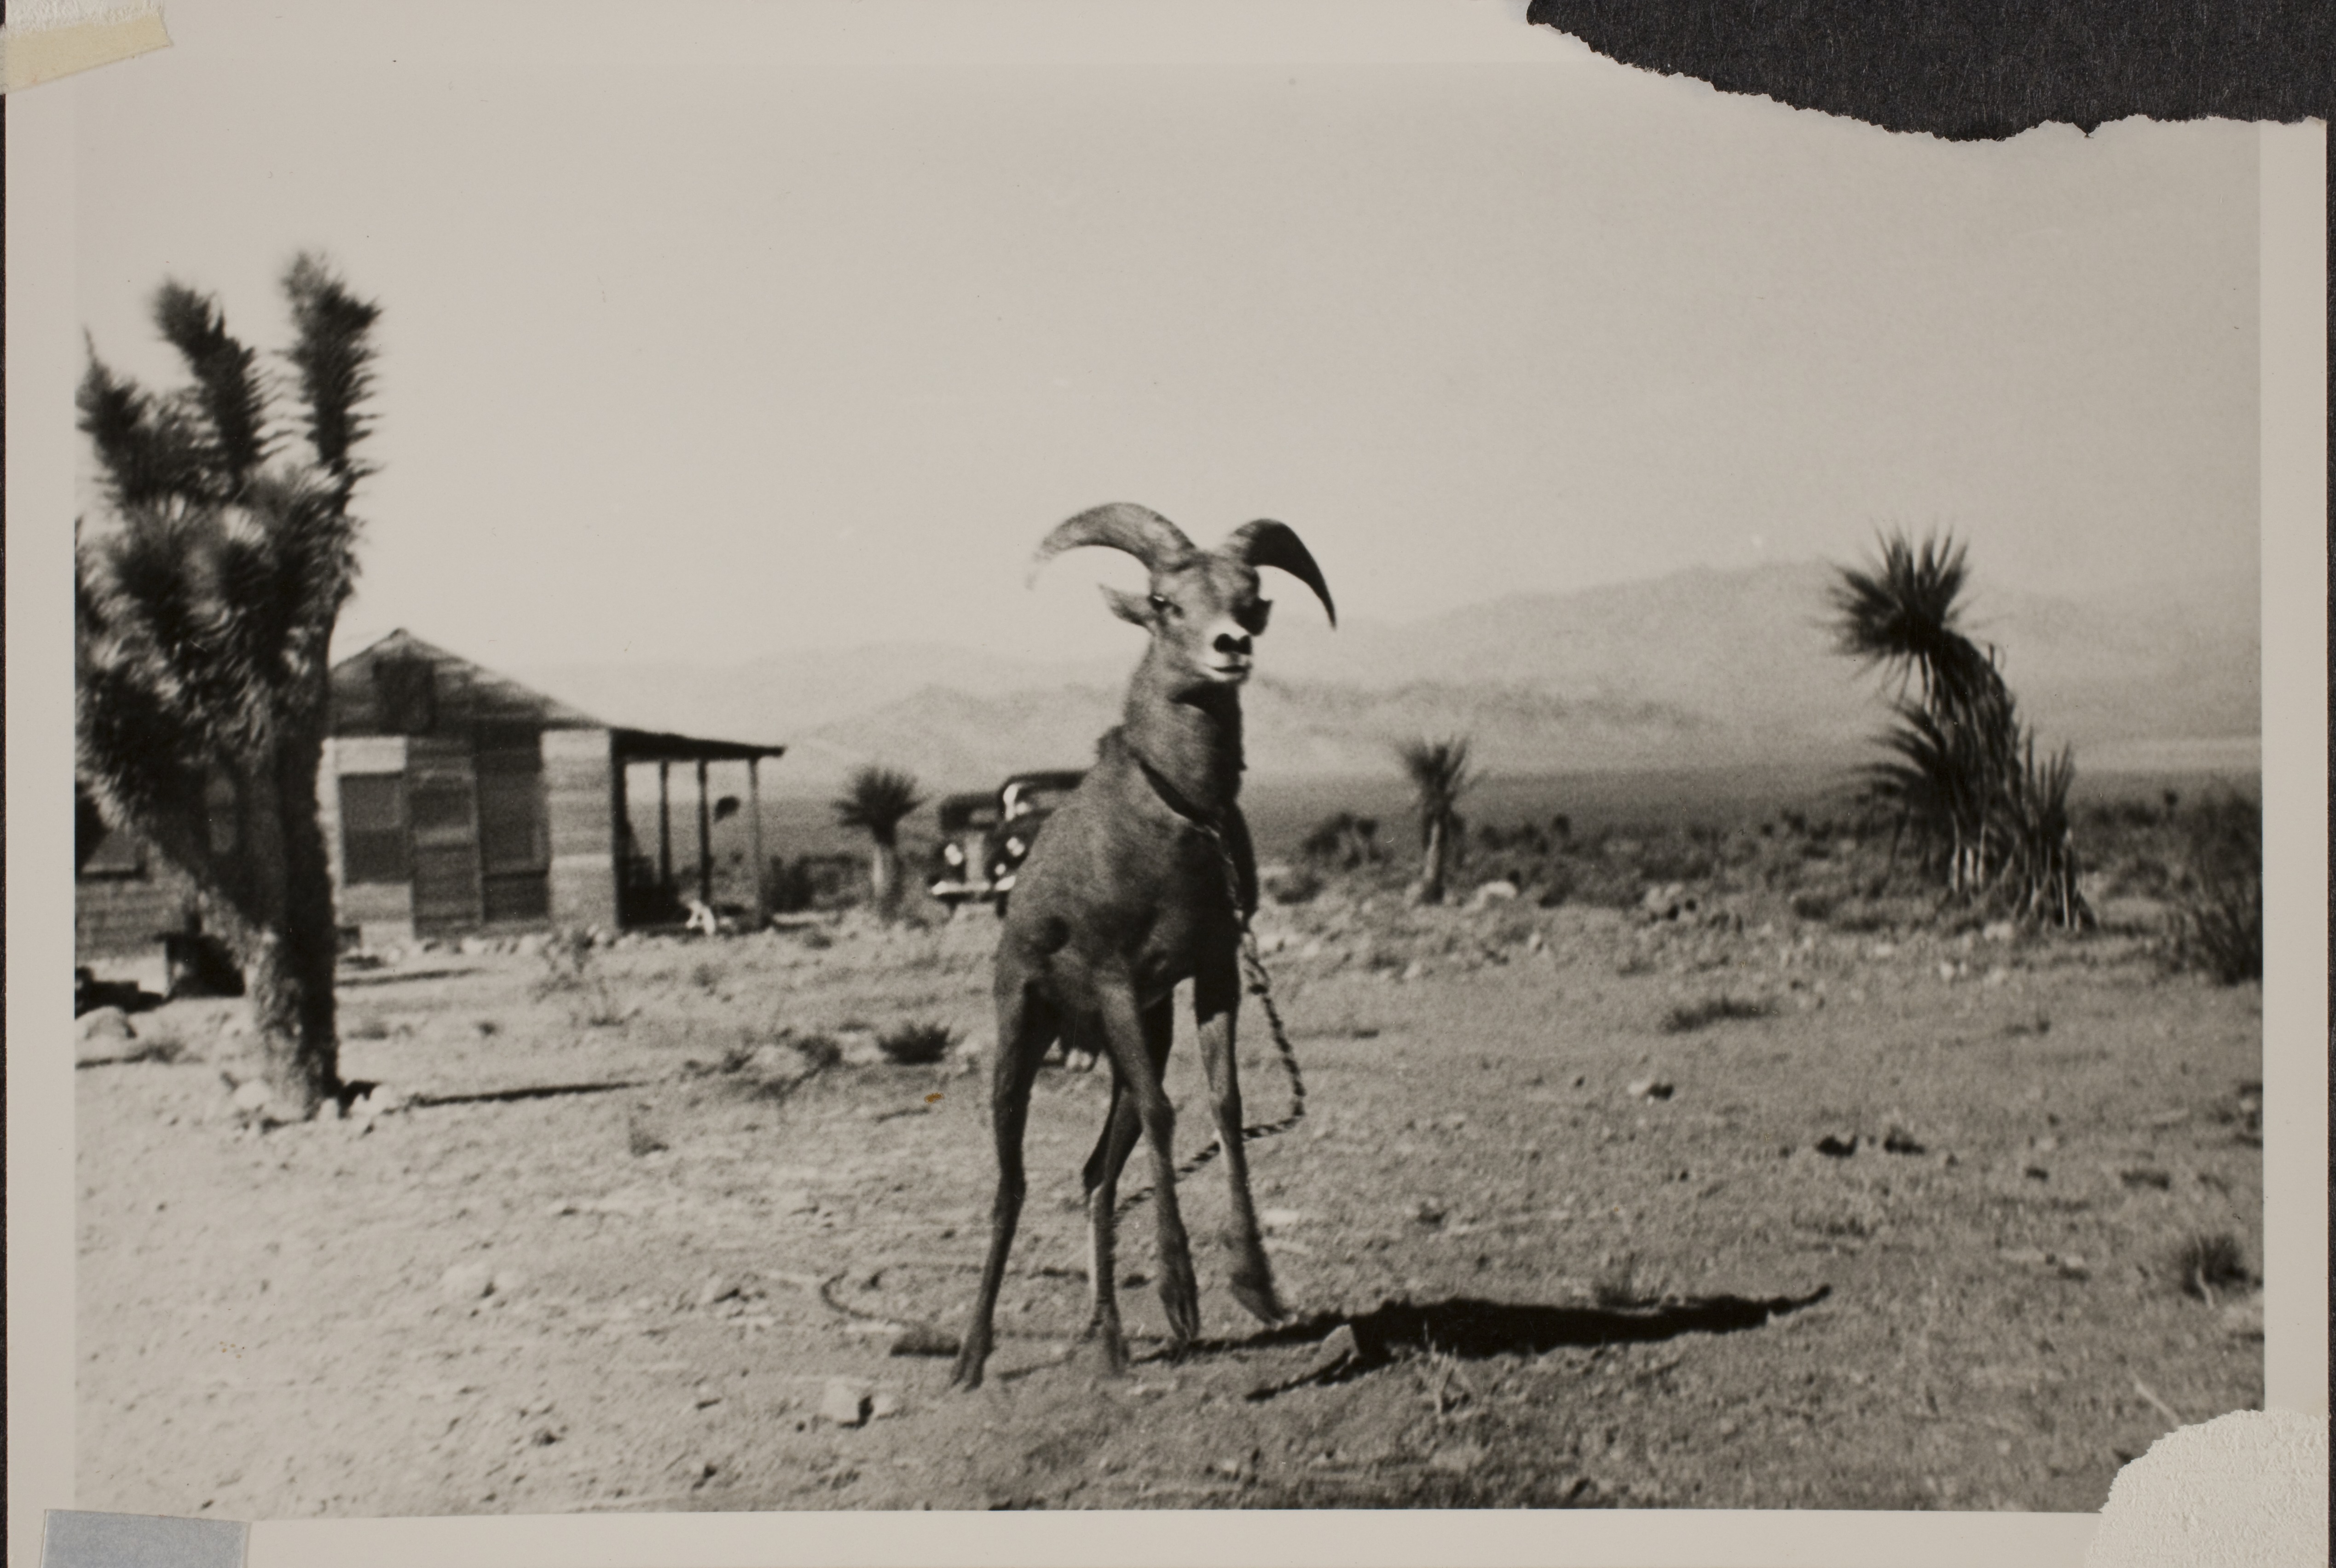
(1181, 1295)
(1258, 1299)
(1115, 1356)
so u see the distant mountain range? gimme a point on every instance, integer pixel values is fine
(1700, 667)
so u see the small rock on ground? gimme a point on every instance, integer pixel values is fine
(466, 1282)
(1340, 1348)
(845, 1403)
(1456, 1458)
(105, 1023)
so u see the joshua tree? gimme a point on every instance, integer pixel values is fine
(205, 595)
(1964, 776)
(1438, 770)
(877, 800)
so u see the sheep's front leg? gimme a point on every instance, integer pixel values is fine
(1216, 999)
(1131, 1037)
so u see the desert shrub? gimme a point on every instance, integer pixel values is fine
(812, 882)
(571, 971)
(1862, 917)
(821, 1050)
(1675, 857)
(1301, 884)
(2136, 872)
(1526, 840)
(1343, 842)
(1611, 887)
(1693, 1015)
(916, 1044)
(706, 977)
(1810, 905)
(2217, 924)
(2202, 1265)
(1514, 926)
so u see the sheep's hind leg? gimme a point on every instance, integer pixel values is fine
(1139, 1049)
(1216, 994)
(1121, 1128)
(1026, 1027)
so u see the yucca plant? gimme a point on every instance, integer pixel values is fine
(206, 592)
(876, 800)
(2042, 867)
(1962, 778)
(1904, 612)
(1439, 775)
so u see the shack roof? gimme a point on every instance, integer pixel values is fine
(375, 692)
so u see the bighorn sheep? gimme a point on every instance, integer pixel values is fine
(1144, 878)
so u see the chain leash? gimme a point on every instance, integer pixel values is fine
(1260, 985)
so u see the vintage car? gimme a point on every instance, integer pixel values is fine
(960, 869)
(984, 838)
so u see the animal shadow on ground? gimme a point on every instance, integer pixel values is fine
(510, 1096)
(399, 977)
(1476, 1329)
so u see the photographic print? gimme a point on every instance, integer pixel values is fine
(1643, 889)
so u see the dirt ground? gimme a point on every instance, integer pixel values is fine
(1586, 1210)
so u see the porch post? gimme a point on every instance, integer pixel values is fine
(754, 843)
(665, 826)
(705, 840)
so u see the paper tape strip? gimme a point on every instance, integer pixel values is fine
(78, 1540)
(57, 42)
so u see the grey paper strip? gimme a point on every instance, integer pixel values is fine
(77, 1540)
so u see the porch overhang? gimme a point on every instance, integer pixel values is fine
(658, 745)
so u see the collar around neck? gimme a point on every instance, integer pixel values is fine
(1171, 797)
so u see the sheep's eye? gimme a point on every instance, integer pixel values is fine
(1164, 606)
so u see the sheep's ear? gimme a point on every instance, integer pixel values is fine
(1135, 607)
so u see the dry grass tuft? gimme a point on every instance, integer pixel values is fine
(2203, 1265)
(1693, 1015)
(916, 1044)
(1620, 1283)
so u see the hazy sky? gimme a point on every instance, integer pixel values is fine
(710, 362)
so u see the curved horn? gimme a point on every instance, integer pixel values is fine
(1119, 526)
(1266, 543)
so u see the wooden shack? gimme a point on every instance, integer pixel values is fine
(456, 801)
